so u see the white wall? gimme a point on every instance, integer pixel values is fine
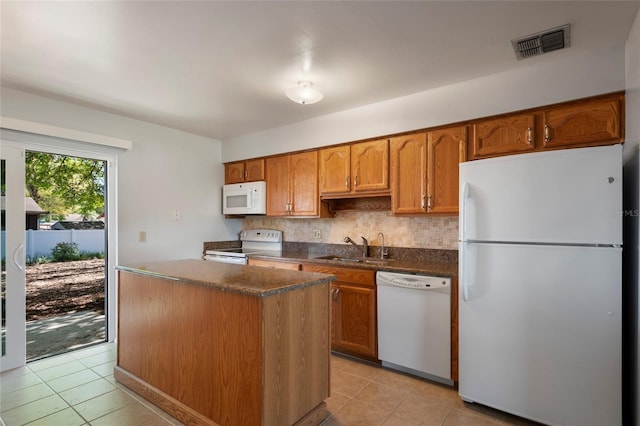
(166, 170)
(632, 230)
(529, 86)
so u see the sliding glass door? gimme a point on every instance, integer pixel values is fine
(13, 259)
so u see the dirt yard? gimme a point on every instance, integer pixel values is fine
(65, 287)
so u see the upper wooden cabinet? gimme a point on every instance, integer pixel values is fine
(505, 135)
(292, 185)
(424, 171)
(586, 123)
(409, 173)
(360, 168)
(446, 148)
(244, 171)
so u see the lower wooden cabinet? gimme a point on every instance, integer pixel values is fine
(353, 310)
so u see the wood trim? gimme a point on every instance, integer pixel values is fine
(161, 400)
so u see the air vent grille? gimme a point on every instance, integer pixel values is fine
(542, 42)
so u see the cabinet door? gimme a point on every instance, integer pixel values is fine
(277, 175)
(446, 149)
(335, 166)
(370, 166)
(254, 170)
(304, 197)
(234, 172)
(408, 173)
(584, 124)
(355, 327)
(505, 135)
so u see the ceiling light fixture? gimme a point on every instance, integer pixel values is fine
(304, 93)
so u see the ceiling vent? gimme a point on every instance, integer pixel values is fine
(542, 42)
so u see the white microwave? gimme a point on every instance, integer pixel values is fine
(245, 198)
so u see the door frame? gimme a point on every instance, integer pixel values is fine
(54, 145)
(16, 341)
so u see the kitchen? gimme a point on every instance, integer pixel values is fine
(151, 163)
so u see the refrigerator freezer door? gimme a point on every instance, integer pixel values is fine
(540, 331)
(569, 196)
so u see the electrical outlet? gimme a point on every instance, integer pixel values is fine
(176, 215)
(142, 237)
(317, 234)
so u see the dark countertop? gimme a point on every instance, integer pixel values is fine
(249, 280)
(426, 266)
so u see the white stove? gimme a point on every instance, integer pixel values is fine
(254, 241)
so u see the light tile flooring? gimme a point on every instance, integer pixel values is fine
(78, 388)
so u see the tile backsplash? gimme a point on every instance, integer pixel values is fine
(415, 232)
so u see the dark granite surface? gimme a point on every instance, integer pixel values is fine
(249, 280)
(443, 263)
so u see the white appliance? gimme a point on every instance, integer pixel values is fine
(266, 242)
(540, 285)
(245, 198)
(414, 324)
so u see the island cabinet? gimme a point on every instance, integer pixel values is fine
(244, 171)
(424, 171)
(221, 344)
(356, 169)
(292, 185)
(353, 310)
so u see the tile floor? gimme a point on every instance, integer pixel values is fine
(78, 388)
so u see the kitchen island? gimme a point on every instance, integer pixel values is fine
(213, 343)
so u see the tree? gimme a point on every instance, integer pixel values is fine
(62, 184)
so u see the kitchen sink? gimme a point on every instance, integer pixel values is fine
(367, 260)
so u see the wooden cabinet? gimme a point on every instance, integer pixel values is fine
(293, 266)
(244, 171)
(504, 135)
(360, 168)
(353, 310)
(408, 173)
(292, 185)
(587, 123)
(424, 171)
(446, 148)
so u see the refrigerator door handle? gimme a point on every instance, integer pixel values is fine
(465, 257)
(463, 219)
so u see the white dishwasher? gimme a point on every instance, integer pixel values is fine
(414, 324)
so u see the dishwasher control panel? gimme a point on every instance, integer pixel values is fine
(414, 281)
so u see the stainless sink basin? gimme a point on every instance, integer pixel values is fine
(367, 260)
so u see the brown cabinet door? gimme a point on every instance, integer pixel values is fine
(446, 149)
(370, 166)
(234, 172)
(275, 264)
(583, 124)
(505, 135)
(254, 170)
(304, 196)
(355, 319)
(335, 166)
(408, 173)
(277, 175)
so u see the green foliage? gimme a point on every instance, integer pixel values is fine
(85, 255)
(64, 252)
(61, 184)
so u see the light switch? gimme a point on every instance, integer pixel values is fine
(142, 237)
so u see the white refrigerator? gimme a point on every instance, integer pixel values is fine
(540, 285)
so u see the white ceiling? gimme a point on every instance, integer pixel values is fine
(219, 69)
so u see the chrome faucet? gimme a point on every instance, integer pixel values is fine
(365, 245)
(383, 253)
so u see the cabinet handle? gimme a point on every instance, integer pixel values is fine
(246, 174)
(355, 181)
(346, 182)
(547, 133)
(424, 202)
(530, 136)
(429, 202)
